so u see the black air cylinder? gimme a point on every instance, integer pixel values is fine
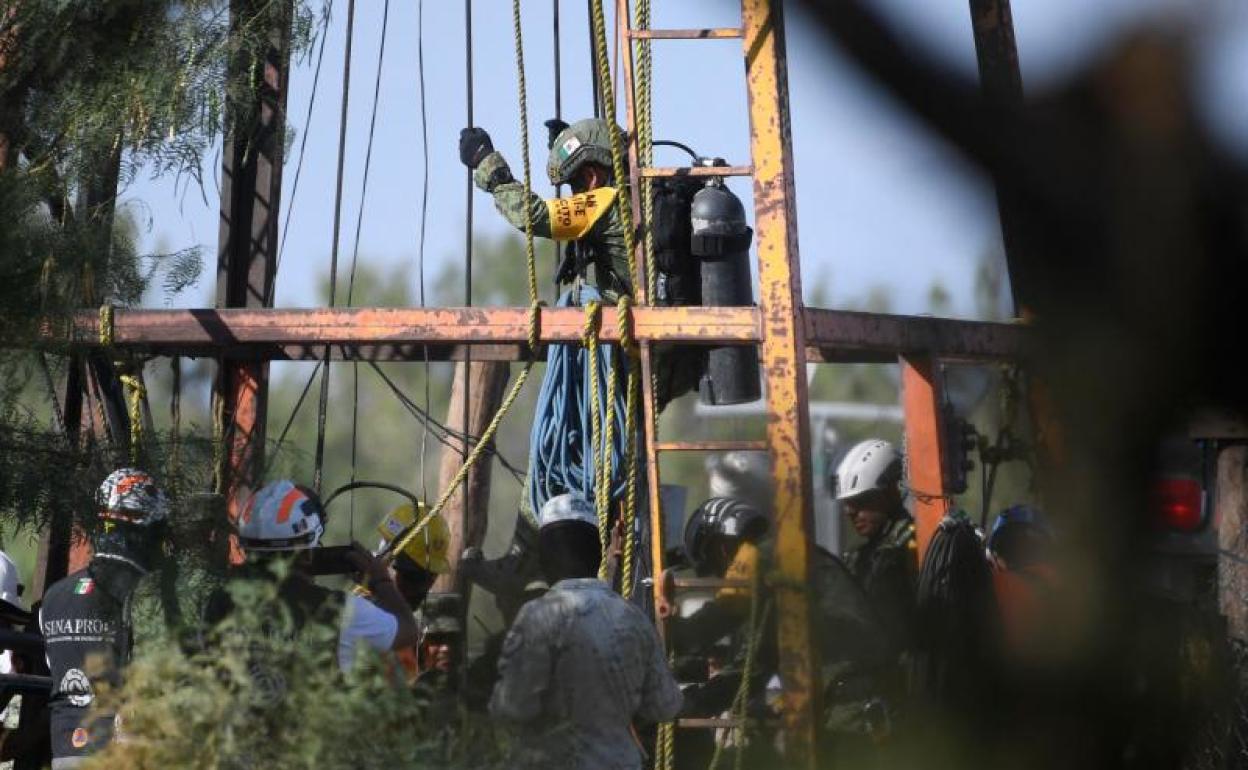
(721, 241)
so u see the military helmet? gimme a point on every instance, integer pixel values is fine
(585, 141)
(440, 614)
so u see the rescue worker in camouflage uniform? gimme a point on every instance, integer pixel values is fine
(441, 650)
(864, 690)
(868, 488)
(581, 665)
(589, 221)
(580, 156)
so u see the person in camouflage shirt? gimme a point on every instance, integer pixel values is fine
(589, 221)
(580, 156)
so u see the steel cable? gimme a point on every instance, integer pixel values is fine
(323, 404)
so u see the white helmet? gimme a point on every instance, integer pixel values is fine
(281, 516)
(10, 583)
(870, 464)
(743, 474)
(570, 506)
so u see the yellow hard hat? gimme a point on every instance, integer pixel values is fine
(428, 549)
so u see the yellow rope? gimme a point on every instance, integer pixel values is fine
(134, 403)
(629, 347)
(218, 442)
(602, 480)
(487, 436)
(106, 325)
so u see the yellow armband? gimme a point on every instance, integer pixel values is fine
(572, 218)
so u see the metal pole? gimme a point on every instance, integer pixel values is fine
(920, 398)
(1002, 81)
(251, 185)
(784, 357)
(467, 368)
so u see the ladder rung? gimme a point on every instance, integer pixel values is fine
(670, 171)
(729, 445)
(708, 723)
(719, 33)
(693, 583)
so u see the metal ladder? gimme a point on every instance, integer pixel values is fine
(760, 23)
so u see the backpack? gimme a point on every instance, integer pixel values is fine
(680, 277)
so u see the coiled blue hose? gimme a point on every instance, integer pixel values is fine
(561, 442)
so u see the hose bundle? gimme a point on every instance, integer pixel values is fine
(561, 454)
(956, 613)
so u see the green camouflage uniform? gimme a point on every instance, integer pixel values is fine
(863, 686)
(605, 242)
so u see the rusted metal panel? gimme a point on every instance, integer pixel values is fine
(699, 171)
(784, 356)
(920, 397)
(227, 327)
(837, 334)
(716, 33)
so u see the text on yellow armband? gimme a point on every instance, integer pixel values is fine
(572, 218)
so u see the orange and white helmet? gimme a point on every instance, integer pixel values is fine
(131, 496)
(281, 516)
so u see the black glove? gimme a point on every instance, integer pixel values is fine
(554, 127)
(567, 271)
(474, 145)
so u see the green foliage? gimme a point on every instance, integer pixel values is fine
(262, 691)
(91, 92)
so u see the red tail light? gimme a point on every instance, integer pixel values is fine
(1177, 504)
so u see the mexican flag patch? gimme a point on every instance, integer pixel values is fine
(85, 586)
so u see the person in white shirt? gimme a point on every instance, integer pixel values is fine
(378, 616)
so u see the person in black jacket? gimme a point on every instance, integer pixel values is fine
(85, 618)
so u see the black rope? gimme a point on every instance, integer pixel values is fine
(441, 432)
(593, 59)
(424, 211)
(307, 386)
(303, 145)
(558, 77)
(467, 406)
(556, 246)
(355, 253)
(333, 258)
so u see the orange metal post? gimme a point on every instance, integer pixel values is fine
(920, 397)
(247, 250)
(784, 364)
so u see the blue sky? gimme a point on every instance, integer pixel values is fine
(880, 204)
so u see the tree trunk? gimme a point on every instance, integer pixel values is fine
(467, 512)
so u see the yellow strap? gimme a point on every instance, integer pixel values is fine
(135, 391)
(572, 218)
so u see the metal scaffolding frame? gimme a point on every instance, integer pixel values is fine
(245, 332)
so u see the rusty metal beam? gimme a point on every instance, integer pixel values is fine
(835, 335)
(784, 355)
(1001, 80)
(207, 328)
(920, 398)
(498, 334)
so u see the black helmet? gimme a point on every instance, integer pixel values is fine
(725, 517)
